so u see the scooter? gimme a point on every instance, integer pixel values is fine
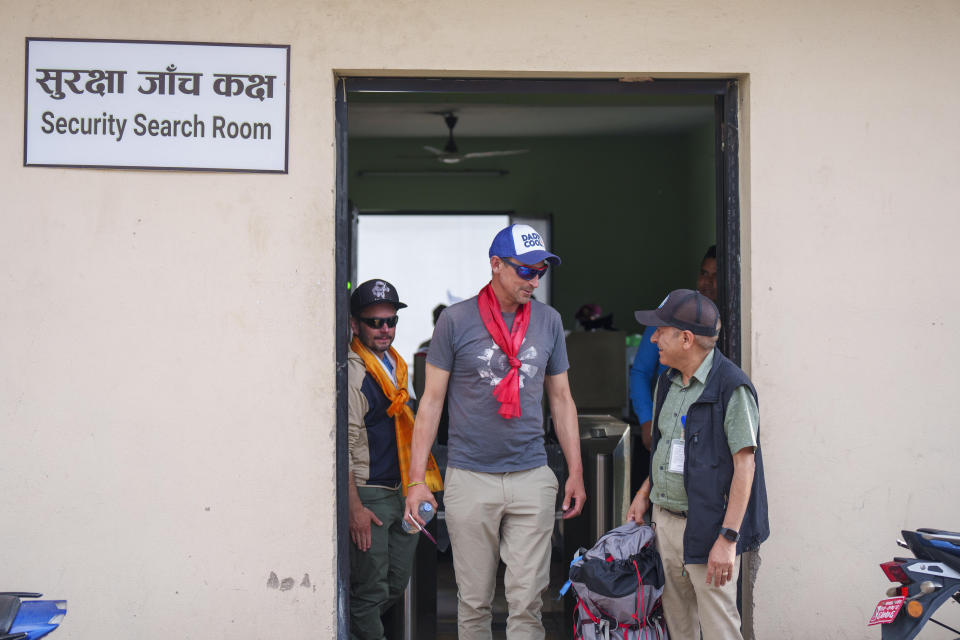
(28, 619)
(926, 581)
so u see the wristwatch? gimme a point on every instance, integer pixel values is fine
(730, 534)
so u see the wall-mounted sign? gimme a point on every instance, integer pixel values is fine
(156, 105)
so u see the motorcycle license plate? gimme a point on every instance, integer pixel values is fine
(887, 610)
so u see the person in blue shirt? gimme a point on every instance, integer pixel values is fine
(646, 365)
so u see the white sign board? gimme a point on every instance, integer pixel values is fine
(156, 105)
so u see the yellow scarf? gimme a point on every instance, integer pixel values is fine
(400, 411)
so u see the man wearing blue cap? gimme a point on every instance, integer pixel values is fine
(492, 357)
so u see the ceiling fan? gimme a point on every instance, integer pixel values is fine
(450, 154)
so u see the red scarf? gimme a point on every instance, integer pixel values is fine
(508, 391)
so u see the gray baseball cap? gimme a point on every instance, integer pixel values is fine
(684, 309)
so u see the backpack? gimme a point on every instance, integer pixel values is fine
(618, 584)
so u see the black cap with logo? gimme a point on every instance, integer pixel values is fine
(374, 292)
(684, 309)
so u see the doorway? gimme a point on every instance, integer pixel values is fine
(645, 177)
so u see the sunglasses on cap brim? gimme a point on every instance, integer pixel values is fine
(525, 272)
(376, 323)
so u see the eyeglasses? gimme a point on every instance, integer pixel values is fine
(376, 323)
(525, 272)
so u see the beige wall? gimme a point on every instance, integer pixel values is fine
(167, 339)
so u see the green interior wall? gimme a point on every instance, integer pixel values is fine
(631, 215)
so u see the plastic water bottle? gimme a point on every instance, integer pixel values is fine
(426, 513)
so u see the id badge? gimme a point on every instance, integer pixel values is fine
(676, 456)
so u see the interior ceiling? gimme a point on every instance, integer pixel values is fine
(485, 120)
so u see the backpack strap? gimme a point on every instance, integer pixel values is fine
(641, 623)
(582, 604)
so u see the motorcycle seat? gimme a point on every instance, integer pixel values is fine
(939, 532)
(942, 546)
(948, 541)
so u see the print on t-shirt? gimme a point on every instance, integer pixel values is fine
(495, 364)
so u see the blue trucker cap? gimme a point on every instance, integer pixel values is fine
(523, 242)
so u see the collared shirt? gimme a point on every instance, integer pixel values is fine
(740, 423)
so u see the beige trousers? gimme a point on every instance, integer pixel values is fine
(494, 516)
(690, 605)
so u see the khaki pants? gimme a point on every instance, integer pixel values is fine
(493, 516)
(690, 605)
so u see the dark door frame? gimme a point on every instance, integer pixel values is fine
(726, 106)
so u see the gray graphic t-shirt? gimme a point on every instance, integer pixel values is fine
(481, 440)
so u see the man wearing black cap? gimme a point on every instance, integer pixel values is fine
(380, 426)
(706, 471)
(493, 357)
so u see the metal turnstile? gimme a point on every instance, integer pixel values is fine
(605, 448)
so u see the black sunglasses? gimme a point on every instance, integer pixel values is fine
(376, 323)
(525, 272)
